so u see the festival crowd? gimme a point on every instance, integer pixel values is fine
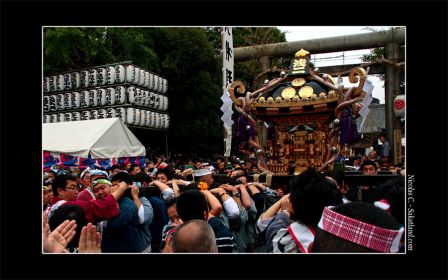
(213, 206)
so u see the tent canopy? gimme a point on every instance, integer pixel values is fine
(103, 138)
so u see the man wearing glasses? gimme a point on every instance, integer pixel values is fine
(65, 192)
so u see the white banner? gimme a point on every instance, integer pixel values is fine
(368, 89)
(228, 75)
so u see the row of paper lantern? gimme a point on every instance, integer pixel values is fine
(103, 77)
(104, 97)
(129, 115)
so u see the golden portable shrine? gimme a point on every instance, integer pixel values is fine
(312, 116)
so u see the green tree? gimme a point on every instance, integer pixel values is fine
(378, 54)
(187, 57)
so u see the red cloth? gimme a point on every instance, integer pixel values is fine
(85, 195)
(367, 235)
(96, 210)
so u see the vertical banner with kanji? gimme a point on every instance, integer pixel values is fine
(228, 74)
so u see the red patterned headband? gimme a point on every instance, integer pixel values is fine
(367, 235)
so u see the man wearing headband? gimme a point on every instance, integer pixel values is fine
(93, 175)
(357, 227)
(65, 190)
(85, 179)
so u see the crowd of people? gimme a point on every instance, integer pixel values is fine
(213, 206)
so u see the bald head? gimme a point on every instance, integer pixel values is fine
(194, 236)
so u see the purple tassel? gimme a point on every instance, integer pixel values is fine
(348, 131)
(243, 134)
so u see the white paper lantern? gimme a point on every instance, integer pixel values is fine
(142, 81)
(76, 100)
(93, 97)
(93, 114)
(120, 95)
(130, 116)
(165, 103)
(53, 103)
(157, 120)
(155, 85)
(146, 84)
(121, 113)
(102, 113)
(46, 118)
(110, 75)
(138, 96)
(146, 99)
(157, 101)
(46, 84)
(158, 84)
(130, 73)
(46, 104)
(68, 81)
(154, 118)
(85, 99)
(150, 99)
(53, 118)
(101, 97)
(67, 117)
(110, 96)
(60, 86)
(76, 116)
(151, 81)
(162, 121)
(137, 76)
(137, 117)
(131, 95)
(60, 117)
(101, 76)
(119, 74)
(142, 117)
(161, 85)
(93, 78)
(166, 86)
(84, 76)
(68, 100)
(167, 121)
(149, 121)
(110, 113)
(85, 115)
(60, 101)
(52, 84)
(161, 103)
(76, 80)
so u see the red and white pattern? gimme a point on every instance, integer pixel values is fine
(367, 235)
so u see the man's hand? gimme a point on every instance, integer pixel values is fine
(134, 191)
(57, 240)
(168, 248)
(89, 241)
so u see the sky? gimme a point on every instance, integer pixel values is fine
(299, 33)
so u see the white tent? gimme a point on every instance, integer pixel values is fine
(103, 138)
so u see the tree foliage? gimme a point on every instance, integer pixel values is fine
(379, 53)
(187, 57)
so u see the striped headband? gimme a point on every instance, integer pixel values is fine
(101, 181)
(364, 234)
(84, 172)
